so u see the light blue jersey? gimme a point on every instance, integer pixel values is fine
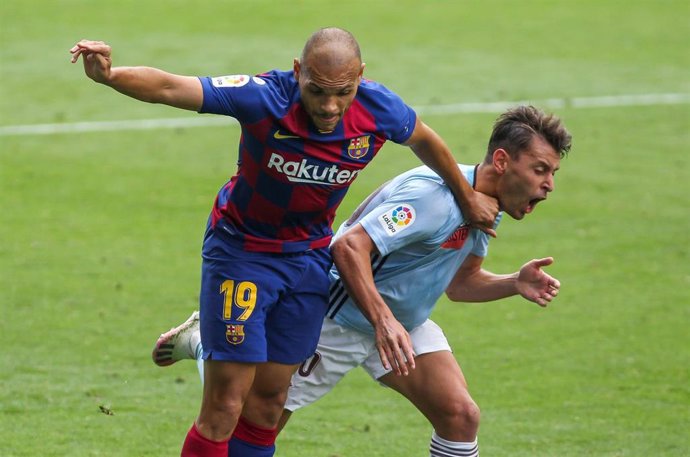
(422, 239)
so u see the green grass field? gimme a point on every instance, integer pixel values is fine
(100, 231)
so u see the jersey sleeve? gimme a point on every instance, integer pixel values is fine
(416, 211)
(244, 97)
(481, 245)
(404, 122)
(393, 116)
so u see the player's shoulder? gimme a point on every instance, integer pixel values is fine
(424, 187)
(278, 76)
(427, 185)
(372, 85)
(423, 175)
(373, 92)
(278, 80)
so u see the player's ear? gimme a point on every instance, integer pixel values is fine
(500, 161)
(296, 68)
(361, 72)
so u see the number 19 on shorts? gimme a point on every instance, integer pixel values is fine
(243, 296)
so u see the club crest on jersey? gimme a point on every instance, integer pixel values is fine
(234, 333)
(358, 147)
(398, 219)
(230, 80)
(457, 239)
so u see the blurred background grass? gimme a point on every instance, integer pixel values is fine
(101, 231)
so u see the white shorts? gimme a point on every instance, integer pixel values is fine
(341, 349)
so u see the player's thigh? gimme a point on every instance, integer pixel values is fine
(435, 385)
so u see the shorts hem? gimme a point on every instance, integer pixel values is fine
(225, 357)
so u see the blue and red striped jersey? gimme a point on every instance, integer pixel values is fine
(290, 177)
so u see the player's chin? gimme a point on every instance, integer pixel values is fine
(520, 213)
(515, 213)
(327, 126)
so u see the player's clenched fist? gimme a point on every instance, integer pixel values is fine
(96, 59)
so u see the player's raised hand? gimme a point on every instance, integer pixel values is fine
(534, 284)
(96, 58)
(482, 213)
(394, 346)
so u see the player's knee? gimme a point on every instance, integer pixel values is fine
(274, 404)
(462, 414)
(221, 411)
(471, 414)
(218, 418)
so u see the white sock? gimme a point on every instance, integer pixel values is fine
(444, 448)
(199, 360)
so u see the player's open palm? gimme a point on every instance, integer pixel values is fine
(96, 58)
(394, 345)
(534, 284)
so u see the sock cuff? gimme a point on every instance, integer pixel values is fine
(454, 444)
(196, 445)
(194, 431)
(252, 433)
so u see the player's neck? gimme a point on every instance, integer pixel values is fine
(486, 179)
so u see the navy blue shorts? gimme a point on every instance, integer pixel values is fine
(257, 307)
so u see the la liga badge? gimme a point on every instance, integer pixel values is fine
(230, 81)
(398, 219)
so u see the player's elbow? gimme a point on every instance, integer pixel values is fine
(455, 292)
(342, 249)
(353, 245)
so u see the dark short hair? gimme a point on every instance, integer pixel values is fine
(514, 130)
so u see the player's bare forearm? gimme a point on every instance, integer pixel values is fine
(432, 150)
(471, 283)
(352, 257)
(479, 209)
(142, 83)
(483, 286)
(157, 86)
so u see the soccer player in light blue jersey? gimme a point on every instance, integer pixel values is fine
(405, 246)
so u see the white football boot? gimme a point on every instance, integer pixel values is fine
(178, 343)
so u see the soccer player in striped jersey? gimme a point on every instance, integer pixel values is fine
(405, 246)
(306, 135)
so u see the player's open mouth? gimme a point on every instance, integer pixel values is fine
(532, 203)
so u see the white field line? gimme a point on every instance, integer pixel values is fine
(606, 101)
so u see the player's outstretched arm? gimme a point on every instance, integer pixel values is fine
(352, 256)
(480, 209)
(143, 83)
(474, 284)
